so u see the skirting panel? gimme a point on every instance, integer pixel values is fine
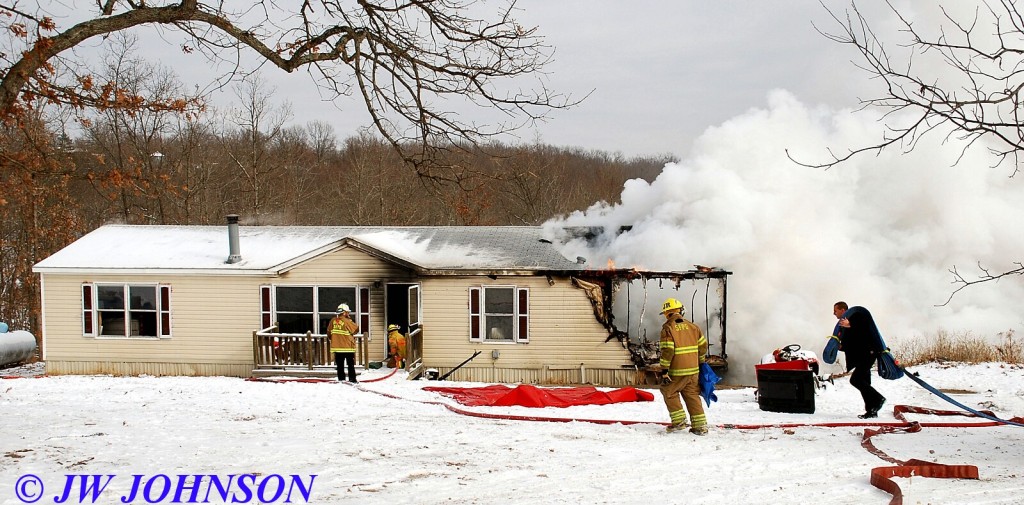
(544, 376)
(156, 369)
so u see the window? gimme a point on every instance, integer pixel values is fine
(499, 314)
(126, 310)
(299, 309)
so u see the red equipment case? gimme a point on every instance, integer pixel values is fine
(786, 386)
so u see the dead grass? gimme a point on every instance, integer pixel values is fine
(961, 348)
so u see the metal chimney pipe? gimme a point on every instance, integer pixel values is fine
(234, 255)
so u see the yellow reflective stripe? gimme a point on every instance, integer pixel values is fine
(690, 349)
(702, 340)
(677, 416)
(664, 363)
(343, 349)
(667, 344)
(679, 372)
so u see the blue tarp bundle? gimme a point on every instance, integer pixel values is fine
(708, 379)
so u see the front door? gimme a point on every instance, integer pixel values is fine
(402, 307)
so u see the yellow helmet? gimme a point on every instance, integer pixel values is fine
(671, 304)
(392, 327)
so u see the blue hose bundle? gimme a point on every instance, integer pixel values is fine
(888, 367)
(831, 351)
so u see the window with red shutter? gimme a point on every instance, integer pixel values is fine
(87, 315)
(364, 311)
(165, 311)
(523, 315)
(474, 315)
(265, 308)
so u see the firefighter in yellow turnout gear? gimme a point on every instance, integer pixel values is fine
(342, 331)
(396, 347)
(683, 349)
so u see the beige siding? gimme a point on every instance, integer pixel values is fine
(565, 337)
(212, 319)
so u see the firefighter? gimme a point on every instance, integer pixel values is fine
(342, 329)
(396, 347)
(683, 349)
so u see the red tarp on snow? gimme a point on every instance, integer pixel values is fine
(526, 395)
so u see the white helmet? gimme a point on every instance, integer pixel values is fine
(343, 308)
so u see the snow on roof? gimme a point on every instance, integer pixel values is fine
(270, 248)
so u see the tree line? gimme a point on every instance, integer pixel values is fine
(66, 172)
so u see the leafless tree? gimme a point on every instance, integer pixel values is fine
(301, 167)
(193, 154)
(368, 187)
(535, 184)
(322, 140)
(257, 125)
(413, 64)
(966, 77)
(963, 78)
(128, 168)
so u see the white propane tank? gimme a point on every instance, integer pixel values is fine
(15, 346)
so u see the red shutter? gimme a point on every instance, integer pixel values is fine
(165, 311)
(87, 316)
(474, 315)
(265, 307)
(523, 314)
(364, 311)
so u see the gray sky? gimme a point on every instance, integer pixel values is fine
(659, 73)
(662, 72)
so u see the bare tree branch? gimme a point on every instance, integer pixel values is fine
(986, 276)
(414, 64)
(981, 98)
(971, 86)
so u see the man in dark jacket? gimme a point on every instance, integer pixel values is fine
(860, 341)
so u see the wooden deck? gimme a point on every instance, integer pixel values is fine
(309, 355)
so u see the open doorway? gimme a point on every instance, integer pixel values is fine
(402, 307)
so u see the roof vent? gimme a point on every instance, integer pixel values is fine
(234, 255)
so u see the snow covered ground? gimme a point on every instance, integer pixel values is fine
(388, 441)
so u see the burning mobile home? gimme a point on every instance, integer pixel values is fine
(254, 300)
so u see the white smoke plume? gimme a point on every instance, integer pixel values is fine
(878, 231)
